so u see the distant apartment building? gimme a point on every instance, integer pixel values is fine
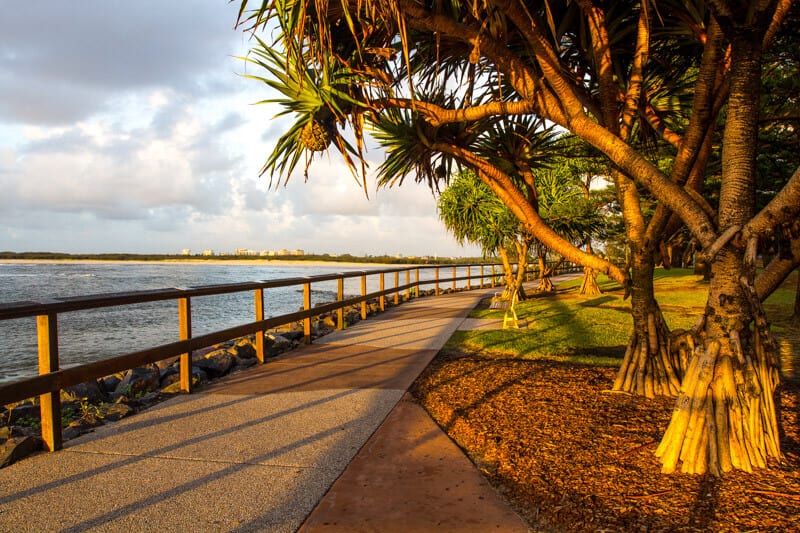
(208, 252)
(186, 251)
(245, 251)
(282, 252)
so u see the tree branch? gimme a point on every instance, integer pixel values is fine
(777, 271)
(437, 115)
(784, 207)
(664, 219)
(601, 49)
(622, 154)
(511, 196)
(781, 12)
(703, 106)
(652, 118)
(633, 95)
(710, 252)
(566, 109)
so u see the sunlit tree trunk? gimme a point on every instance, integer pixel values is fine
(545, 283)
(508, 271)
(589, 286)
(796, 314)
(725, 415)
(648, 368)
(522, 269)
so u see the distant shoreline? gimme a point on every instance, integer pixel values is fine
(236, 262)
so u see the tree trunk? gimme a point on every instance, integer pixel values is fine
(589, 286)
(725, 416)
(688, 255)
(796, 313)
(508, 272)
(704, 268)
(648, 368)
(545, 284)
(522, 269)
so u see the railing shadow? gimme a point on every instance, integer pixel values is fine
(135, 507)
(302, 479)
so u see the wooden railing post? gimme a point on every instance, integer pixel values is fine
(306, 307)
(259, 308)
(408, 284)
(455, 274)
(340, 298)
(382, 298)
(185, 332)
(416, 280)
(436, 292)
(492, 279)
(396, 284)
(363, 293)
(481, 285)
(50, 403)
(469, 278)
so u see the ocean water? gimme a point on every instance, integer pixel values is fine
(86, 336)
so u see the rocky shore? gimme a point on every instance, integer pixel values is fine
(88, 405)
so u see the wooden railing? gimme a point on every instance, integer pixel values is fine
(52, 379)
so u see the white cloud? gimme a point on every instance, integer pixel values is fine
(125, 127)
(71, 55)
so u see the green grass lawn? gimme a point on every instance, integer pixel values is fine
(595, 330)
(779, 307)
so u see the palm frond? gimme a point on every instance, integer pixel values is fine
(326, 92)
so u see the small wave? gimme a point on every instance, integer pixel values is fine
(6, 377)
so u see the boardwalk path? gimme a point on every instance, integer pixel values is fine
(259, 450)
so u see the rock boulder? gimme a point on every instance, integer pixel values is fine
(138, 381)
(17, 448)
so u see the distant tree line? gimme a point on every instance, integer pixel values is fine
(344, 258)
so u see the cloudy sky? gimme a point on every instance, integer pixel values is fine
(127, 127)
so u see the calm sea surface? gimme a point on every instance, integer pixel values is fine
(86, 336)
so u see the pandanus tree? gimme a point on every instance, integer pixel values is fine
(472, 213)
(567, 210)
(586, 167)
(580, 66)
(513, 147)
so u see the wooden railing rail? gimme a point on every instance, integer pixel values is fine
(52, 379)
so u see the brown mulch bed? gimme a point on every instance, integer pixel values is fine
(570, 456)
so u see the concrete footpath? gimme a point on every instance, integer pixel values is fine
(322, 439)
